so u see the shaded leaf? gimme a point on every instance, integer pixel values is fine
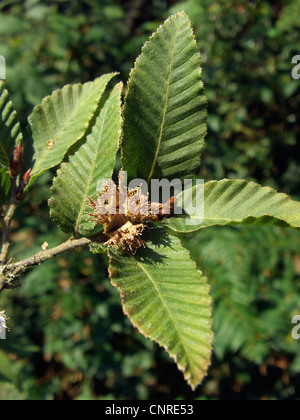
(10, 131)
(167, 299)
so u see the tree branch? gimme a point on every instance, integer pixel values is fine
(11, 272)
(6, 242)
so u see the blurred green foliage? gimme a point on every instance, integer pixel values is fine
(48, 44)
(69, 338)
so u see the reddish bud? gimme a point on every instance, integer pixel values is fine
(23, 184)
(16, 161)
(26, 177)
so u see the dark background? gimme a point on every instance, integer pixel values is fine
(69, 338)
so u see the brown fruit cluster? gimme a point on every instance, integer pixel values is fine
(124, 217)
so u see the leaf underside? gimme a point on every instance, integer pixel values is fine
(165, 108)
(63, 119)
(95, 160)
(10, 131)
(233, 202)
(167, 299)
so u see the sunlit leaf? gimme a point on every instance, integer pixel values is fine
(233, 202)
(63, 119)
(165, 108)
(5, 183)
(10, 132)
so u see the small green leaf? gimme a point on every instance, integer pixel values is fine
(96, 248)
(165, 108)
(167, 299)
(5, 183)
(233, 202)
(10, 131)
(94, 161)
(63, 119)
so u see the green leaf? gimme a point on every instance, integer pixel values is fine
(92, 162)
(5, 183)
(165, 108)
(10, 131)
(233, 202)
(167, 299)
(63, 119)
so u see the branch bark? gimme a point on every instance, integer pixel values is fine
(6, 242)
(11, 272)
